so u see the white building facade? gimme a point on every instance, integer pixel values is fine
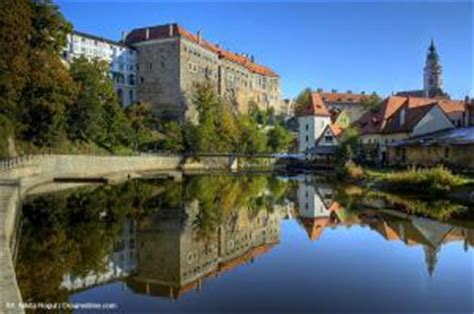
(312, 122)
(121, 58)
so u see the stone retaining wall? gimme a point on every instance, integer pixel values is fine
(9, 204)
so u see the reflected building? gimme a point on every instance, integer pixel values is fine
(318, 210)
(179, 248)
(121, 263)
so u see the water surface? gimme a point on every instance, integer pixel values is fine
(220, 243)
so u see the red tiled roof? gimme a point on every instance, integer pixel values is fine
(375, 121)
(316, 107)
(413, 115)
(174, 30)
(343, 97)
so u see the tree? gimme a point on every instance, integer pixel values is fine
(47, 93)
(34, 84)
(207, 103)
(144, 124)
(252, 140)
(96, 115)
(371, 102)
(85, 117)
(349, 145)
(302, 100)
(173, 137)
(15, 23)
(279, 139)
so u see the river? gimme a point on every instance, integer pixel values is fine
(245, 243)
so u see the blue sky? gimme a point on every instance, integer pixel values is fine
(358, 46)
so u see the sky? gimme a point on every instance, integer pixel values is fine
(358, 46)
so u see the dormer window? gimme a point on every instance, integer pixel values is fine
(402, 116)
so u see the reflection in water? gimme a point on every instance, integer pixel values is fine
(166, 239)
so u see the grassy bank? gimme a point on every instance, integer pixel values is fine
(435, 181)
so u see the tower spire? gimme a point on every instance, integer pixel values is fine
(432, 78)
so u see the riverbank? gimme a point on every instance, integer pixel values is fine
(429, 183)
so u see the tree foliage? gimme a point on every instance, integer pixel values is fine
(349, 146)
(302, 100)
(371, 102)
(220, 130)
(279, 139)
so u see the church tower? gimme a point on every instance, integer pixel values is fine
(432, 79)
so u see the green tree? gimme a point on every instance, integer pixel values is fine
(371, 102)
(15, 23)
(85, 117)
(349, 145)
(44, 87)
(207, 105)
(96, 115)
(47, 93)
(144, 124)
(173, 137)
(279, 139)
(252, 140)
(302, 100)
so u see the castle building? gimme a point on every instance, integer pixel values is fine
(172, 62)
(121, 58)
(432, 77)
(173, 258)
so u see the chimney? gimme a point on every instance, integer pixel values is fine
(363, 92)
(252, 58)
(147, 34)
(170, 30)
(349, 91)
(319, 90)
(333, 90)
(199, 37)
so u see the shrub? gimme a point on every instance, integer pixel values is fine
(433, 180)
(353, 171)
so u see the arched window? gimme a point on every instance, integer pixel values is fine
(131, 79)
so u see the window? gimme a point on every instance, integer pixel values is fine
(307, 127)
(149, 65)
(446, 152)
(328, 138)
(307, 138)
(142, 79)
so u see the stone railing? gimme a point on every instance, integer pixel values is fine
(10, 163)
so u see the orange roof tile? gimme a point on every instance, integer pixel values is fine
(315, 107)
(375, 121)
(413, 115)
(343, 97)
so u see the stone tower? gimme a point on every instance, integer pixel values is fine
(432, 79)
